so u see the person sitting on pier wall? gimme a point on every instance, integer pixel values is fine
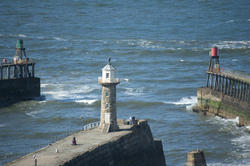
(132, 120)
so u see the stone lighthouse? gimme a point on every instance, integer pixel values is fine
(108, 120)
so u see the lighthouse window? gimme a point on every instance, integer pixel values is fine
(107, 106)
(107, 75)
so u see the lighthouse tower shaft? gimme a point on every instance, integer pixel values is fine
(108, 118)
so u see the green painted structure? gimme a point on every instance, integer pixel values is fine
(17, 78)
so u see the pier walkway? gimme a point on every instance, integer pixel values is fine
(86, 140)
(130, 145)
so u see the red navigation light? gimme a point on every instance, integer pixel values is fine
(214, 51)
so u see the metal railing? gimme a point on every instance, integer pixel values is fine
(91, 125)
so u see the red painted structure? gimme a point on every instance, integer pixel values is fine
(214, 51)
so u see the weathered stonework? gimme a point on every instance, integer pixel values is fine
(108, 119)
(132, 145)
(216, 103)
(108, 105)
(15, 90)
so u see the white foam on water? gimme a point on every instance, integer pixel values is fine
(85, 101)
(234, 60)
(241, 138)
(59, 39)
(44, 101)
(125, 79)
(134, 91)
(44, 85)
(247, 127)
(243, 142)
(59, 92)
(147, 44)
(181, 60)
(21, 35)
(224, 121)
(33, 113)
(230, 21)
(2, 125)
(233, 44)
(141, 42)
(188, 101)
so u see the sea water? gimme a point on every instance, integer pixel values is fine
(160, 52)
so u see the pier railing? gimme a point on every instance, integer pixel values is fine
(229, 84)
(14, 71)
(91, 125)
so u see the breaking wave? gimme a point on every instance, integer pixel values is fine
(189, 102)
(134, 91)
(34, 113)
(85, 101)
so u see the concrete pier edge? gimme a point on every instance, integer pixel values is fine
(131, 144)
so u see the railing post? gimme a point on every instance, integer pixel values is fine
(248, 92)
(25, 70)
(1, 73)
(237, 89)
(220, 82)
(208, 76)
(230, 86)
(8, 72)
(33, 70)
(225, 89)
(240, 90)
(212, 81)
(244, 92)
(216, 82)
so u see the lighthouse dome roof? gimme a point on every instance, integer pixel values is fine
(108, 67)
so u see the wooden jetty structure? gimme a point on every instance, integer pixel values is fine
(228, 83)
(17, 78)
(226, 94)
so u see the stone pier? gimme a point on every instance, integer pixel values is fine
(226, 94)
(17, 78)
(131, 145)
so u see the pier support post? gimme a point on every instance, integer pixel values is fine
(211, 80)
(25, 70)
(224, 85)
(8, 72)
(1, 73)
(243, 91)
(247, 93)
(231, 87)
(208, 76)
(227, 86)
(240, 90)
(33, 70)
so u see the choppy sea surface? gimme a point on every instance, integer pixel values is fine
(160, 50)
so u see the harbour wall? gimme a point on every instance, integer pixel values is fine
(131, 145)
(14, 90)
(217, 103)
(136, 148)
